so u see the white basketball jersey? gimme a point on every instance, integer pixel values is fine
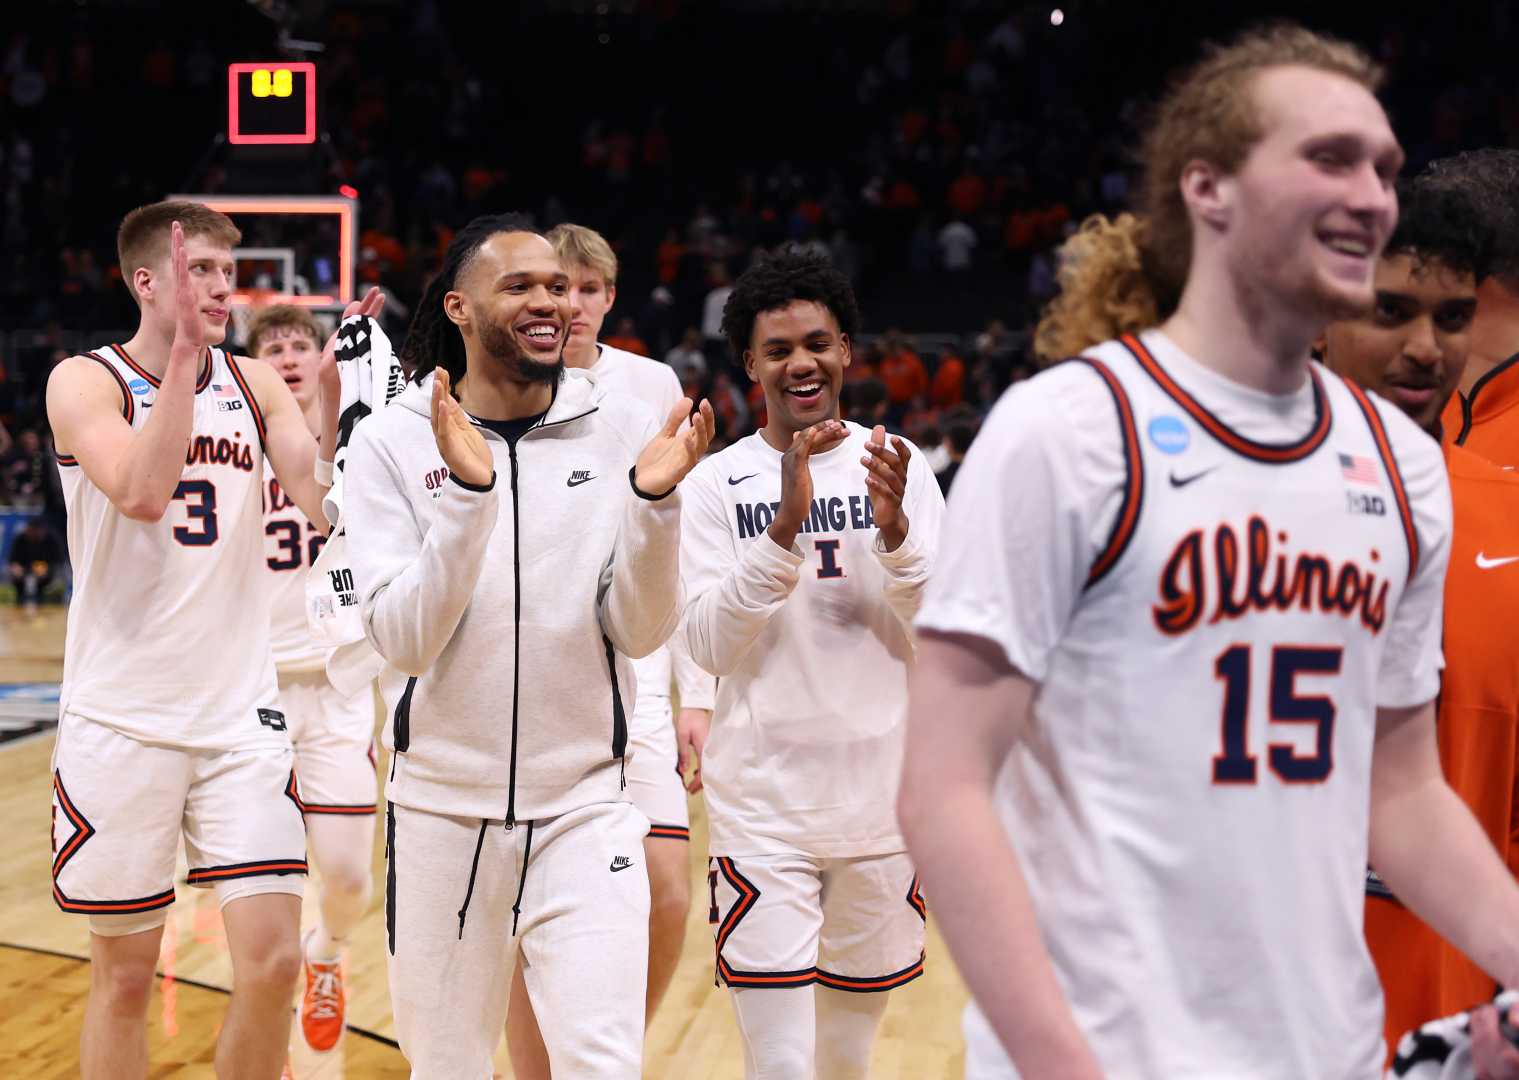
(291, 545)
(168, 630)
(1191, 803)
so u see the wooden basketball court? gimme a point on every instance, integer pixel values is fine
(44, 974)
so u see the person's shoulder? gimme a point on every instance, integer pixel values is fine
(1415, 450)
(712, 467)
(398, 420)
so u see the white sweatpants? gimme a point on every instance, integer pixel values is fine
(577, 892)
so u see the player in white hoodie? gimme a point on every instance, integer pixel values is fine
(804, 550)
(512, 613)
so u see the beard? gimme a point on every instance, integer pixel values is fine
(501, 344)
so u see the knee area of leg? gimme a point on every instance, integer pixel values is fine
(349, 879)
(670, 907)
(274, 965)
(127, 986)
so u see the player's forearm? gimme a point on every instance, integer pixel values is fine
(413, 599)
(1433, 855)
(722, 623)
(303, 488)
(907, 569)
(644, 597)
(973, 883)
(697, 689)
(148, 474)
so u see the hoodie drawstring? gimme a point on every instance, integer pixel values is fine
(527, 853)
(473, 867)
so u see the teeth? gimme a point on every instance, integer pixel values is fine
(1351, 247)
(806, 388)
(544, 332)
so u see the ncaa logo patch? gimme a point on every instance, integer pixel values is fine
(1169, 434)
(139, 387)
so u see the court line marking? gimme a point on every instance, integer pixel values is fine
(362, 1032)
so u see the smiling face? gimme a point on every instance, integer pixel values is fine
(512, 302)
(213, 273)
(1412, 348)
(797, 354)
(1309, 211)
(293, 353)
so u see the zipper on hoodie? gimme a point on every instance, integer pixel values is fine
(401, 724)
(511, 789)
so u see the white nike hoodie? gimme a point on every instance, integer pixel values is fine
(512, 609)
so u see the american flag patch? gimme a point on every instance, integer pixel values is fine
(1357, 469)
(231, 391)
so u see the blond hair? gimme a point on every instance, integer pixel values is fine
(280, 317)
(143, 238)
(1209, 114)
(577, 245)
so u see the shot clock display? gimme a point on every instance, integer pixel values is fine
(272, 103)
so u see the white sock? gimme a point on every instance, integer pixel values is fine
(322, 947)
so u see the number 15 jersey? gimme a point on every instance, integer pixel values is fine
(168, 629)
(1215, 589)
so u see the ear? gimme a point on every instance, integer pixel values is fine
(456, 308)
(1208, 193)
(847, 348)
(611, 296)
(142, 284)
(749, 365)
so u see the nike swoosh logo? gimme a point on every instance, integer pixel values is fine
(576, 481)
(1183, 481)
(624, 866)
(732, 482)
(1484, 563)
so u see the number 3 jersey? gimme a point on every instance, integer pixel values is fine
(1215, 589)
(168, 629)
(812, 648)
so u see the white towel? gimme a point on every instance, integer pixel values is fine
(1442, 1049)
(371, 378)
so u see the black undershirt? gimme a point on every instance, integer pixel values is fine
(512, 430)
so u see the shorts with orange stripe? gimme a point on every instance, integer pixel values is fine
(333, 736)
(120, 807)
(793, 920)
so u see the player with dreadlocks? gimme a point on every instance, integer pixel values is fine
(514, 541)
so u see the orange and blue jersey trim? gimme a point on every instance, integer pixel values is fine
(669, 832)
(201, 382)
(273, 867)
(1267, 453)
(128, 406)
(242, 384)
(83, 831)
(1127, 522)
(1394, 475)
(875, 985)
(67, 459)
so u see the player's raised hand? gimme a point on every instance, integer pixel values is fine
(886, 480)
(327, 369)
(1494, 1057)
(796, 478)
(463, 447)
(189, 328)
(672, 453)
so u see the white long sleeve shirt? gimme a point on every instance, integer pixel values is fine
(812, 648)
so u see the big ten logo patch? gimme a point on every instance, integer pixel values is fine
(434, 481)
(272, 718)
(342, 585)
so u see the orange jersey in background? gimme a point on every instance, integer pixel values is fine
(1486, 421)
(1422, 975)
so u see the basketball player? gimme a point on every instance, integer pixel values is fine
(654, 782)
(169, 720)
(332, 733)
(804, 550)
(1412, 349)
(512, 548)
(1183, 644)
(1482, 417)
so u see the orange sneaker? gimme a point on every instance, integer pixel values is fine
(323, 1005)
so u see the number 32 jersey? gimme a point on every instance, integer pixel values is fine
(168, 630)
(1215, 589)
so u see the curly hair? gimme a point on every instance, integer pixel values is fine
(432, 340)
(1444, 224)
(1486, 184)
(1103, 290)
(1207, 114)
(776, 281)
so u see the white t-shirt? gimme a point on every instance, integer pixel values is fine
(1190, 805)
(812, 649)
(956, 242)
